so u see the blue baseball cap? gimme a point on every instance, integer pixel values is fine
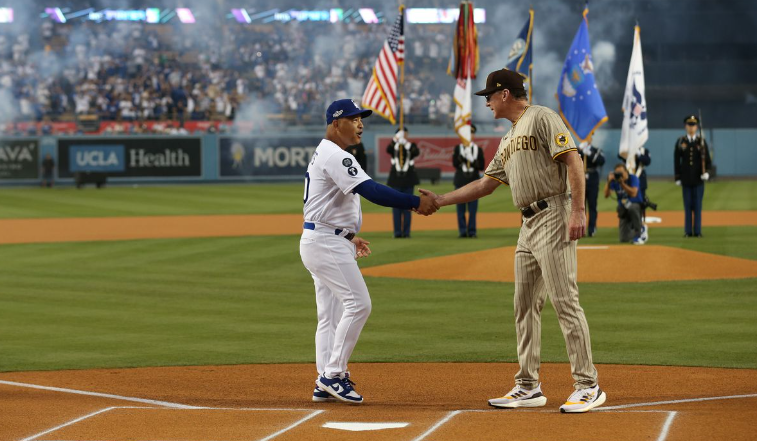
(343, 109)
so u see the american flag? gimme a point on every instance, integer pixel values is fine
(381, 93)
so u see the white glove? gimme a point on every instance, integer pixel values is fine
(585, 147)
(705, 176)
(678, 182)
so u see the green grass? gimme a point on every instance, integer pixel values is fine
(286, 198)
(249, 300)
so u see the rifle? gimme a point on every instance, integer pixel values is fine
(703, 149)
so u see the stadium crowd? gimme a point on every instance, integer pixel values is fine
(277, 72)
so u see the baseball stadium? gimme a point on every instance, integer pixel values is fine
(164, 271)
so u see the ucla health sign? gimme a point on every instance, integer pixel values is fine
(131, 157)
(96, 158)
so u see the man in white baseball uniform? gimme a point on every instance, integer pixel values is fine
(329, 246)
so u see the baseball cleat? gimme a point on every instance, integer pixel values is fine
(584, 400)
(321, 396)
(520, 397)
(340, 388)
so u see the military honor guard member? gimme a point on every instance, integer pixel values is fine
(593, 161)
(692, 162)
(468, 162)
(402, 177)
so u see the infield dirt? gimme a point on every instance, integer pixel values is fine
(420, 394)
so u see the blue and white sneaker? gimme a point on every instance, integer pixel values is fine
(340, 388)
(321, 396)
(644, 233)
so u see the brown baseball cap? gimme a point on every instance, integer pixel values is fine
(500, 80)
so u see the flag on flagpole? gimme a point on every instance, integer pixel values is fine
(634, 132)
(381, 93)
(580, 103)
(465, 69)
(521, 53)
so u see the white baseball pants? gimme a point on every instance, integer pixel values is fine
(341, 297)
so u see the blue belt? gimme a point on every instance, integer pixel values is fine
(338, 231)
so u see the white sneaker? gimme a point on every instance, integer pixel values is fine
(644, 233)
(584, 400)
(519, 397)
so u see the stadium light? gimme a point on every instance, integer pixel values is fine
(6, 15)
(241, 15)
(185, 15)
(368, 15)
(56, 14)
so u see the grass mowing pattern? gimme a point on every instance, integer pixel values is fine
(287, 198)
(249, 300)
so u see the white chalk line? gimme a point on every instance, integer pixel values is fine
(449, 416)
(662, 403)
(98, 394)
(312, 414)
(438, 424)
(74, 421)
(666, 426)
(295, 424)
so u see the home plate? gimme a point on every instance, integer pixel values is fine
(362, 427)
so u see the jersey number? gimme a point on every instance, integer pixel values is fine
(307, 188)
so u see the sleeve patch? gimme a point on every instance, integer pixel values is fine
(561, 139)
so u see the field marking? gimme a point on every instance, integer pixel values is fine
(312, 414)
(295, 424)
(353, 426)
(666, 426)
(98, 394)
(663, 433)
(438, 424)
(661, 403)
(74, 421)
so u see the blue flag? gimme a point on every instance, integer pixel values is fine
(519, 59)
(581, 104)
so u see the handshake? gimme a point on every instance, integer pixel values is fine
(429, 203)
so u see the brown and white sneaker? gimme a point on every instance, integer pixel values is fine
(520, 397)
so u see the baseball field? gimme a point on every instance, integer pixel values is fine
(183, 313)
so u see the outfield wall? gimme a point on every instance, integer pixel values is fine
(272, 156)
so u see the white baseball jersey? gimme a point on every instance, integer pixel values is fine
(332, 175)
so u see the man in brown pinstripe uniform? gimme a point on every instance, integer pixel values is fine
(538, 159)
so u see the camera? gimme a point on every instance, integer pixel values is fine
(618, 175)
(649, 204)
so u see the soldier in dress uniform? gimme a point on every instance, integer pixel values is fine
(358, 151)
(468, 162)
(402, 176)
(593, 161)
(692, 162)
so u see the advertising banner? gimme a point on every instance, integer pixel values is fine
(266, 156)
(19, 159)
(131, 157)
(436, 151)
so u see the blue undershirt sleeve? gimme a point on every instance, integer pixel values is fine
(387, 197)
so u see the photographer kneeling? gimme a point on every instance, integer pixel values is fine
(626, 187)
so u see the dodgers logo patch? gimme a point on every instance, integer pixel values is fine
(337, 113)
(346, 162)
(352, 171)
(561, 139)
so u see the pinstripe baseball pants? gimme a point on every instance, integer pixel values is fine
(546, 264)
